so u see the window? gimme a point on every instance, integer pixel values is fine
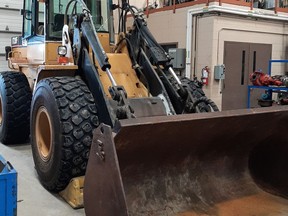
(27, 19)
(41, 19)
(99, 11)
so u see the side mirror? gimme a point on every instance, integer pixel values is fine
(27, 14)
(7, 51)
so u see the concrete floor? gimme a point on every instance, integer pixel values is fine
(33, 199)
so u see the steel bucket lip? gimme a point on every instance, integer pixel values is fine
(227, 123)
(199, 116)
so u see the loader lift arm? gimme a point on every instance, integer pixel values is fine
(143, 42)
(117, 92)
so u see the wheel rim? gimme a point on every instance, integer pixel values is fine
(43, 133)
(1, 118)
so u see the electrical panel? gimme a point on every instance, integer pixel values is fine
(219, 72)
(178, 57)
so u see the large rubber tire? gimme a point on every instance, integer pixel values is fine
(15, 102)
(203, 103)
(63, 117)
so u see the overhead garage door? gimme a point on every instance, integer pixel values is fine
(10, 20)
(3, 64)
(10, 25)
(5, 41)
(11, 4)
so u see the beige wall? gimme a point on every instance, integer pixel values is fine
(168, 27)
(215, 30)
(211, 33)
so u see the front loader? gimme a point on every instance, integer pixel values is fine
(147, 141)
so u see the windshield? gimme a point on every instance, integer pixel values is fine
(99, 11)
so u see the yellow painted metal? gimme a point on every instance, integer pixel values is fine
(123, 73)
(73, 193)
(39, 61)
(121, 45)
(44, 133)
(56, 67)
(105, 42)
(121, 68)
(17, 57)
(37, 54)
(51, 53)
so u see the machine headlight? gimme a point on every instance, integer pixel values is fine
(62, 50)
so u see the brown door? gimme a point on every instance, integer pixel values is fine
(240, 60)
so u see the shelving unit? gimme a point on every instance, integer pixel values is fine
(275, 61)
(270, 89)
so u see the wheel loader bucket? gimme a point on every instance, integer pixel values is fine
(223, 163)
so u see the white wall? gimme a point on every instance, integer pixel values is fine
(142, 3)
(168, 27)
(138, 3)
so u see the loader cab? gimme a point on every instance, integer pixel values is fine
(43, 21)
(35, 12)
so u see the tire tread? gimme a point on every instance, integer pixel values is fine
(18, 95)
(73, 99)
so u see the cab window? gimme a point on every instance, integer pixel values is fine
(27, 18)
(98, 8)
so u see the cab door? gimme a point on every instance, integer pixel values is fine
(34, 31)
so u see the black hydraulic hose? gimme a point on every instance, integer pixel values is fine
(144, 32)
(132, 55)
(131, 9)
(121, 21)
(74, 8)
(139, 71)
(119, 24)
(66, 10)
